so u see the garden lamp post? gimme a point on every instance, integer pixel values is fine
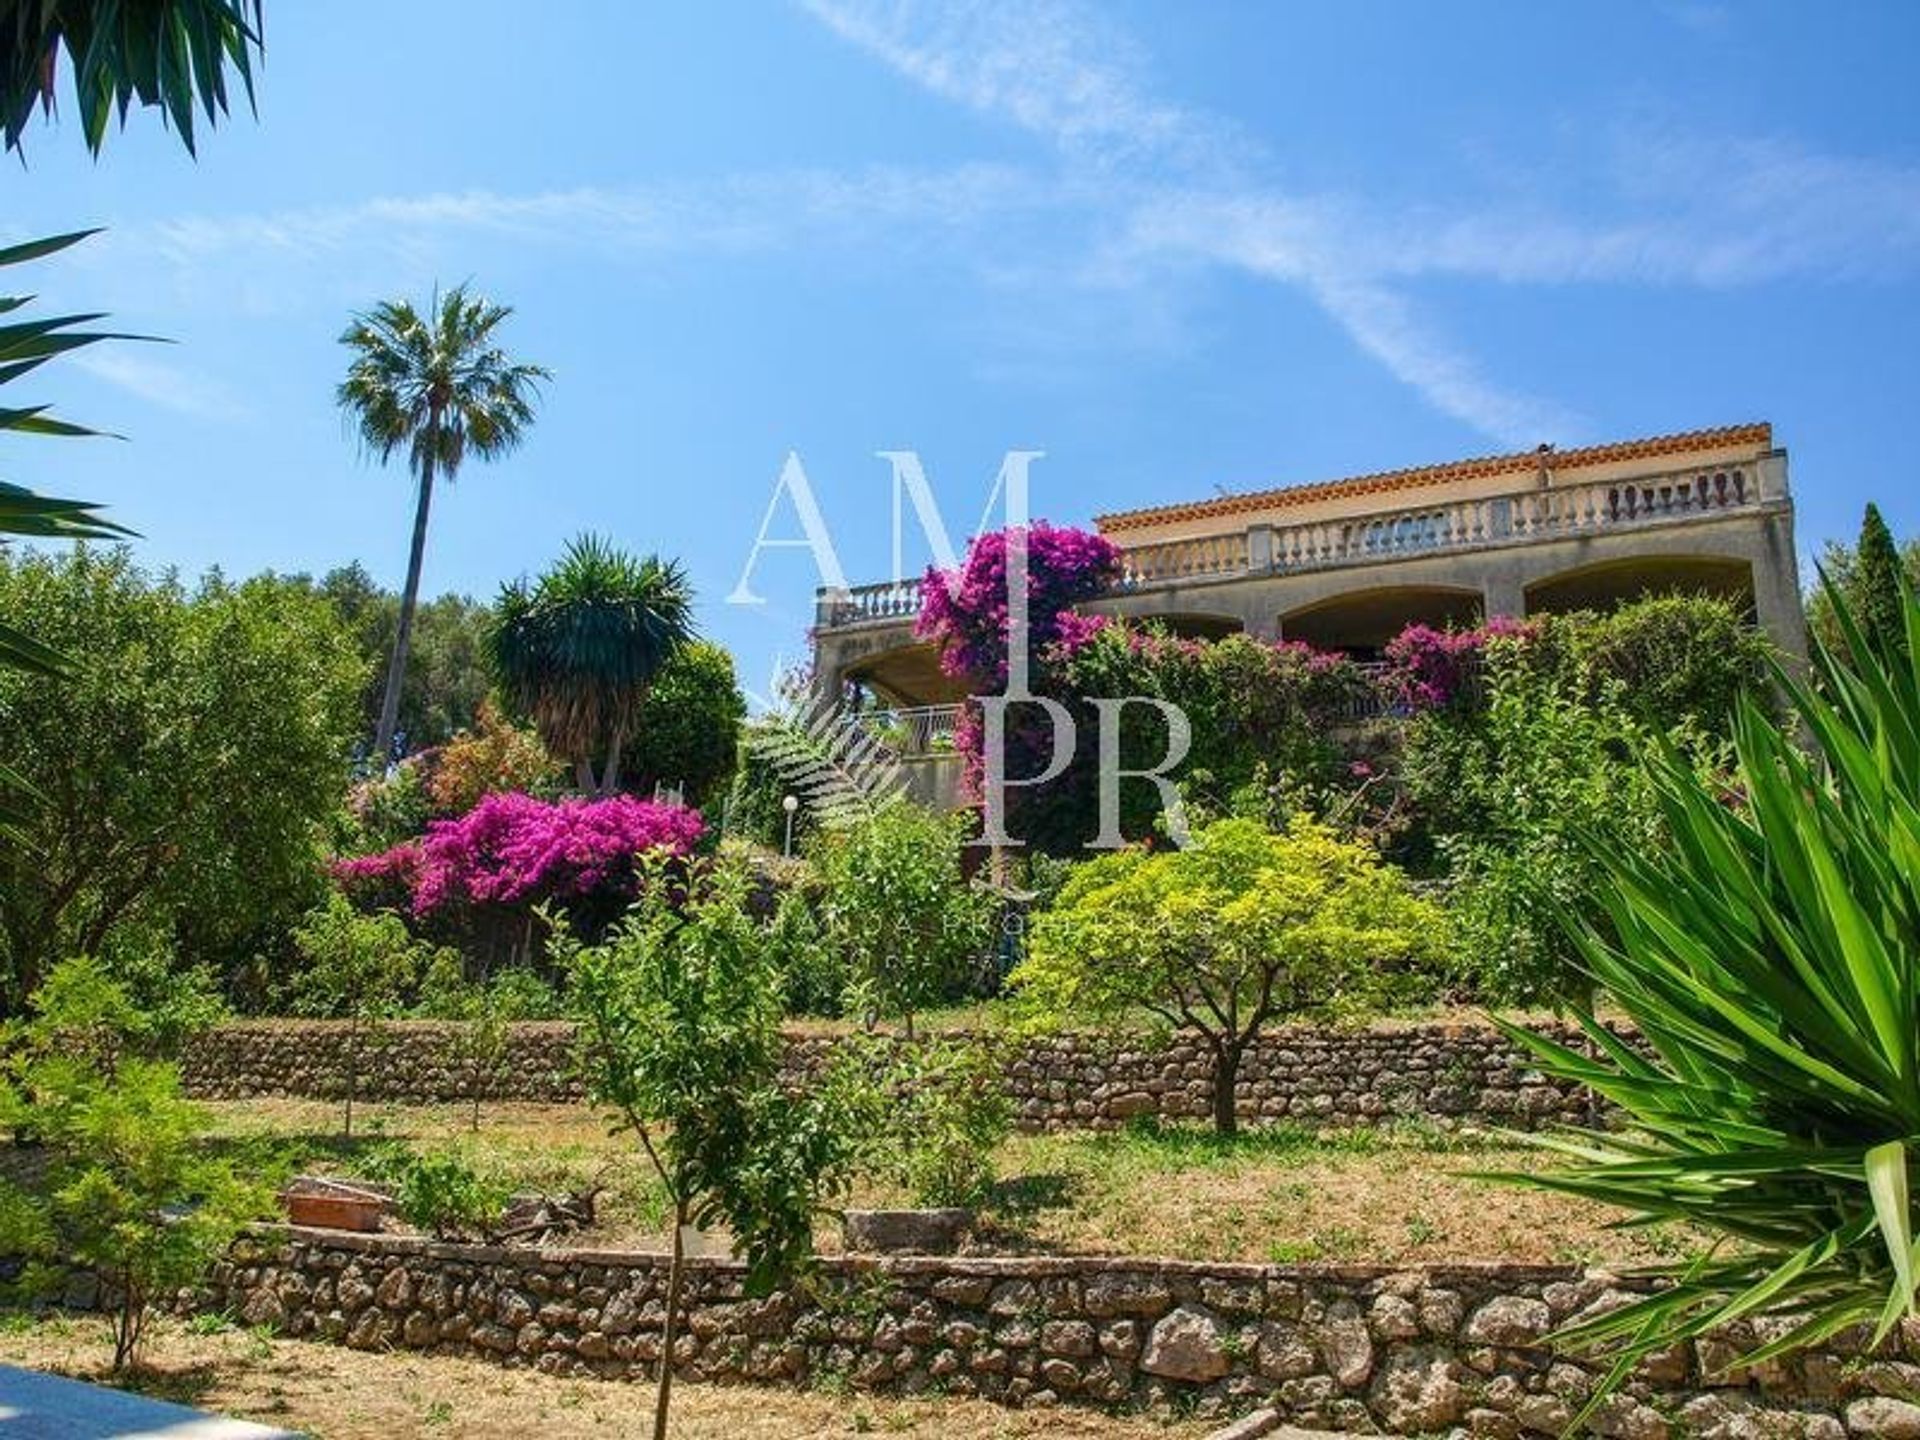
(790, 804)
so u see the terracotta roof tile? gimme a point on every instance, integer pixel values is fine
(1388, 480)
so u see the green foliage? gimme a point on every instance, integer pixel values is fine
(577, 651)
(893, 901)
(1841, 566)
(359, 968)
(445, 681)
(1878, 588)
(130, 1193)
(687, 733)
(1507, 789)
(495, 756)
(441, 1193)
(1243, 927)
(815, 976)
(679, 1014)
(165, 53)
(1260, 713)
(1770, 957)
(940, 1112)
(183, 765)
(84, 1008)
(483, 1013)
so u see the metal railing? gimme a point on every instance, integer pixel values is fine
(918, 730)
(1518, 518)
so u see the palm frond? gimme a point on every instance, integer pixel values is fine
(839, 770)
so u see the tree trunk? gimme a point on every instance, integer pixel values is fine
(1226, 1083)
(583, 777)
(671, 1327)
(353, 1073)
(409, 598)
(610, 772)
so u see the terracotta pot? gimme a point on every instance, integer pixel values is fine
(334, 1204)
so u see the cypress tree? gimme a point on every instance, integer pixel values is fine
(1878, 588)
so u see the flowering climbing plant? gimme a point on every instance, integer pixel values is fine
(1431, 669)
(965, 611)
(514, 850)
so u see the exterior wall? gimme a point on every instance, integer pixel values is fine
(1447, 1073)
(1408, 1352)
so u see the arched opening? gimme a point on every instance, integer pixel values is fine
(907, 677)
(1362, 622)
(1615, 583)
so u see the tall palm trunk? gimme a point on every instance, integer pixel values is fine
(409, 599)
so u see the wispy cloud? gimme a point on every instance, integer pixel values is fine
(1055, 70)
(159, 383)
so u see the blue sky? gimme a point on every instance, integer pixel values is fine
(1174, 246)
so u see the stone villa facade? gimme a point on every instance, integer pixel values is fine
(1346, 564)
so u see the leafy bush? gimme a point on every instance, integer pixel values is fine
(688, 731)
(494, 756)
(941, 1112)
(185, 765)
(440, 1193)
(893, 900)
(1770, 956)
(1244, 927)
(131, 1193)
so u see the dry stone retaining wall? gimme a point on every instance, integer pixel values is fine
(1406, 1352)
(1072, 1081)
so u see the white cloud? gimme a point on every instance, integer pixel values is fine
(161, 384)
(1052, 69)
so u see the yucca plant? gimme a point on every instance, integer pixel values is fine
(578, 649)
(1770, 959)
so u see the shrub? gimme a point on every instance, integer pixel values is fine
(442, 1194)
(941, 1112)
(688, 733)
(894, 902)
(131, 1194)
(496, 755)
(1770, 956)
(1244, 927)
(185, 766)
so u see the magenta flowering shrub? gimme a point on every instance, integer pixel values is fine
(966, 612)
(512, 850)
(1431, 669)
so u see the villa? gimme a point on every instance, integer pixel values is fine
(1346, 564)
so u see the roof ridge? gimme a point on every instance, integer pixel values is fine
(1757, 432)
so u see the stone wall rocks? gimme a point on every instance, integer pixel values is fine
(1446, 1073)
(1447, 1348)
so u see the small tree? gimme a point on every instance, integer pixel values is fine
(680, 1033)
(357, 968)
(483, 1015)
(895, 902)
(1244, 927)
(130, 1194)
(1878, 587)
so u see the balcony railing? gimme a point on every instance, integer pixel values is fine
(920, 730)
(1521, 518)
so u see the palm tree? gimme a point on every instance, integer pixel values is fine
(577, 650)
(440, 386)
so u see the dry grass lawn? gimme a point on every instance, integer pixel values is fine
(1277, 1194)
(340, 1394)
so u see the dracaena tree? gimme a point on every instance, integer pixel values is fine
(1770, 958)
(436, 384)
(578, 650)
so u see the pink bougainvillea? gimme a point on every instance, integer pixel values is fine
(512, 849)
(1433, 668)
(966, 611)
